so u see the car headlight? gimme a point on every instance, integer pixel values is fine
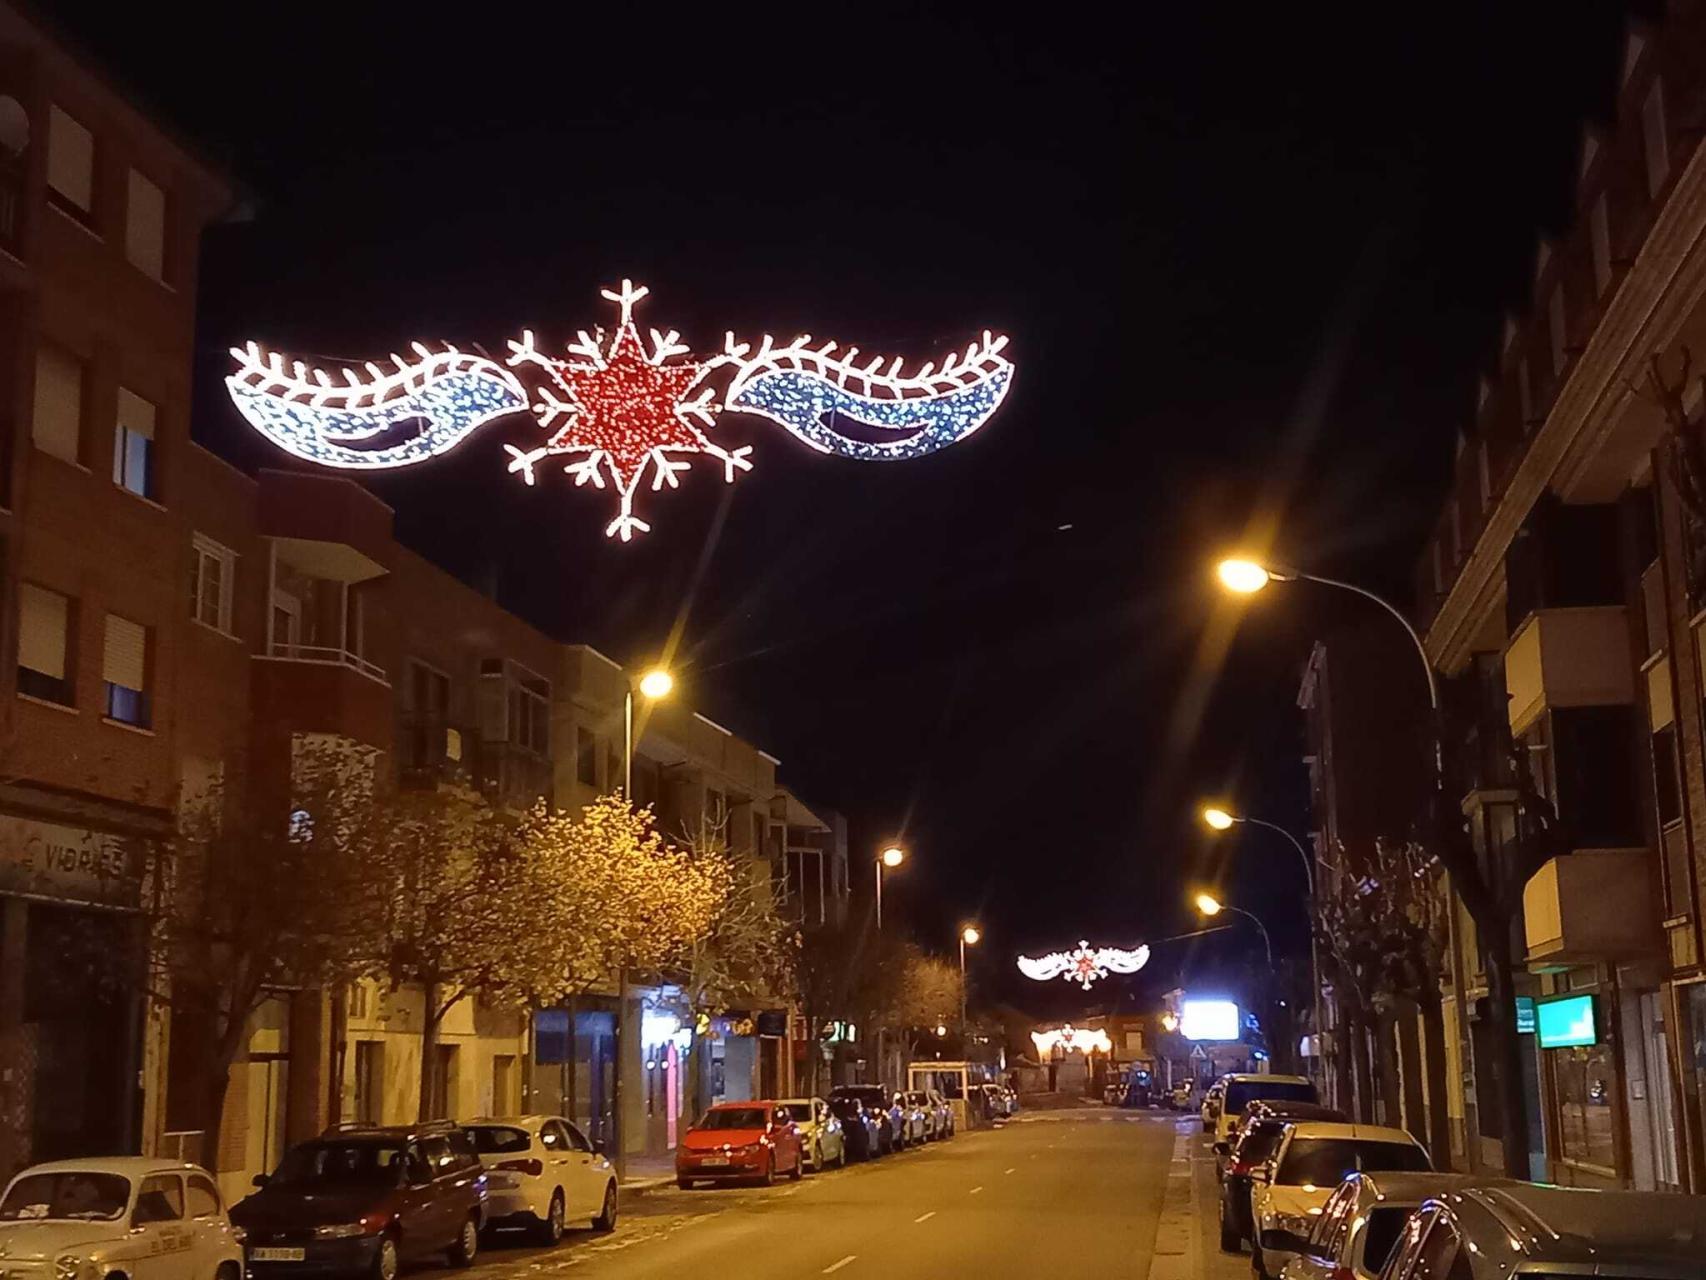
(1298, 1223)
(68, 1266)
(340, 1230)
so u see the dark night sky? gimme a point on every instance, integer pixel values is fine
(1251, 266)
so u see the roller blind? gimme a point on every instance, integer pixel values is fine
(57, 424)
(70, 159)
(125, 659)
(135, 414)
(145, 226)
(42, 618)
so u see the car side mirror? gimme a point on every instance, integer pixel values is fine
(1284, 1241)
(598, 1146)
(1260, 1174)
(260, 1180)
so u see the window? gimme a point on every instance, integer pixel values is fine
(369, 1081)
(1556, 320)
(44, 634)
(1599, 236)
(1585, 1083)
(1379, 1238)
(159, 1199)
(1326, 1162)
(1440, 1258)
(133, 444)
(145, 226)
(506, 1140)
(586, 756)
(577, 1139)
(551, 1136)
(530, 712)
(212, 582)
(201, 1197)
(1660, 718)
(70, 166)
(124, 667)
(1653, 144)
(56, 425)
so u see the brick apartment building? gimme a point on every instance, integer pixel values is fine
(170, 620)
(1562, 598)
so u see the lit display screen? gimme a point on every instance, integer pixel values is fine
(1208, 1020)
(1566, 1023)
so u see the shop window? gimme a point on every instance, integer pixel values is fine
(1585, 1081)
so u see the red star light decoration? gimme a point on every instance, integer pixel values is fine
(623, 409)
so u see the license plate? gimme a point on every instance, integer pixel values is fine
(715, 1160)
(277, 1255)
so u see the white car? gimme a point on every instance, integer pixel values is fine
(542, 1173)
(1314, 1157)
(1362, 1223)
(915, 1121)
(938, 1115)
(821, 1137)
(132, 1216)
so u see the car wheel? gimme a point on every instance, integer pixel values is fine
(769, 1176)
(467, 1246)
(551, 1229)
(605, 1222)
(385, 1259)
(1230, 1240)
(799, 1169)
(228, 1271)
(817, 1157)
(1257, 1269)
(841, 1158)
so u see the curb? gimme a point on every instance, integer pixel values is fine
(1177, 1254)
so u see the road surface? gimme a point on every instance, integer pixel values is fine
(1053, 1193)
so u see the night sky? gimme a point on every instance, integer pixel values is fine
(1251, 265)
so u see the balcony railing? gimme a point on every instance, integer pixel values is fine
(512, 776)
(326, 656)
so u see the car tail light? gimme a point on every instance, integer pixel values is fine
(1238, 1169)
(532, 1168)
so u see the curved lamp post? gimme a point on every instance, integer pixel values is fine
(1210, 905)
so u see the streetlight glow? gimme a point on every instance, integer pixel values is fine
(893, 856)
(1208, 904)
(1246, 577)
(970, 935)
(941, 1029)
(656, 683)
(1219, 819)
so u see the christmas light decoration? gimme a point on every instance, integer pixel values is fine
(621, 407)
(1084, 965)
(1071, 1039)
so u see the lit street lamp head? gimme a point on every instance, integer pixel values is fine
(970, 935)
(1246, 577)
(893, 856)
(656, 683)
(1208, 904)
(1219, 819)
(941, 1029)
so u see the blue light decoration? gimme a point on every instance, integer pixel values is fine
(618, 406)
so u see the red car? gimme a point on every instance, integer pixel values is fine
(740, 1140)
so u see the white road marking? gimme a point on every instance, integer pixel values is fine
(974, 1191)
(925, 1217)
(833, 1267)
(1007, 1171)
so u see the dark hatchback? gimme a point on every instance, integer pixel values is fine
(362, 1201)
(877, 1100)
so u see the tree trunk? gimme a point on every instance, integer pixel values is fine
(1507, 1051)
(213, 1090)
(1386, 1066)
(1410, 1069)
(1363, 1081)
(429, 1052)
(1434, 1060)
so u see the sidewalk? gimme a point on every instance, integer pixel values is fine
(647, 1173)
(1187, 1239)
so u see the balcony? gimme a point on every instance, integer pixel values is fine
(1575, 657)
(1588, 906)
(326, 655)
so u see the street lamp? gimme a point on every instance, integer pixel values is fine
(890, 857)
(1210, 905)
(969, 936)
(1219, 819)
(655, 684)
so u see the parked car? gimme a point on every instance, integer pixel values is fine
(542, 1173)
(938, 1115)
(1357, 1231)
(1210, 1108)
(1271, 1109)
(1179, 1097)
(362, 1200)
(1491, 1232)
(740, 1140)
(117, 1216)
(1113, 1094)
(820, 1133)
(880, 1103)
(914, 1123)
(997, 1100)
(1314, 1157)
(1243, 1089)
(1254, 1148)
(861, 1130)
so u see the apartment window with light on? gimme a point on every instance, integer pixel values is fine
(44, 644)
(212, 583)
(124, 671)
(133, 445)
(70, 166)
(56, 423)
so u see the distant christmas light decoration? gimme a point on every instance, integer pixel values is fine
(1071, 1039)
(618, 406)
(1084, 965)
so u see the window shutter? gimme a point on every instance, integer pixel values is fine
(145, 226)
(42, 617)
(125, 660)
(135, 414)
(58, 420)
(1659, 710)
(70, 159)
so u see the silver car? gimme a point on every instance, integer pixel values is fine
(1496, 1232)
(1358, 1230)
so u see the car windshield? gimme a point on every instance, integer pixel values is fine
(1326, 1162)
(799, 1110)
(1379, 1237)
(1241, 1094)
(341, 1164)
(734, 1118)
(844, 1108)
(1259, 1143)
(86, 1196)
(499, 1139)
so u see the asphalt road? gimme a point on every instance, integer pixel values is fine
(1068, 1192)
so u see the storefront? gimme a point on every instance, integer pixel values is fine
(574, 1065)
